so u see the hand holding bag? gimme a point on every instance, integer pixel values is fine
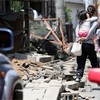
(77, 48)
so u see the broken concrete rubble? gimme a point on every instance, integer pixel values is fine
(52, 79)
(34, 57)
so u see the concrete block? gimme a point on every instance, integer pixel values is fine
(49, 72)
(73, 85)
(43, 58)
(34, 57)
(26, 56)
(47, 67)
(69, 96)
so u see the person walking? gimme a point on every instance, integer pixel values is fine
(84, 26)
(87, 46)
(85, 23)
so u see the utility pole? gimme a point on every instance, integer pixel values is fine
(26, 8)
(59, 4)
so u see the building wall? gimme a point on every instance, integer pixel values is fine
(75, 7)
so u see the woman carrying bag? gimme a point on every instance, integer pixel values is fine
(87, 46)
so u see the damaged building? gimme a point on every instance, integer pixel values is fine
(53, 38)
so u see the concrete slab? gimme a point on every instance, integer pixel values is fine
(52, 93)
(73, 85)
(35, 57)
(43, 58)
(27, 56)
(33, 94)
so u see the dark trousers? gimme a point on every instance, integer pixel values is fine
(87, 51)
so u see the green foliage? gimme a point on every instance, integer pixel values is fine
(67, 14)
(16, 6)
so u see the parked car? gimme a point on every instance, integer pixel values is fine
(10, 83)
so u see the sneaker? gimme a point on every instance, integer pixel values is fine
(77, 79)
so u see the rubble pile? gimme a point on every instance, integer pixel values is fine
(55, 75)
(52, 70)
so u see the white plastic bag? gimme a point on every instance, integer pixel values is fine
(77, 49)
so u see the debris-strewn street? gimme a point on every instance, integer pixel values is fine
(47, 79)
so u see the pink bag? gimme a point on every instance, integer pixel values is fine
(82, 33)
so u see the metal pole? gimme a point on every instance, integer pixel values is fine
(27, 24)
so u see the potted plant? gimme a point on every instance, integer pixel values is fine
(68, 17)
